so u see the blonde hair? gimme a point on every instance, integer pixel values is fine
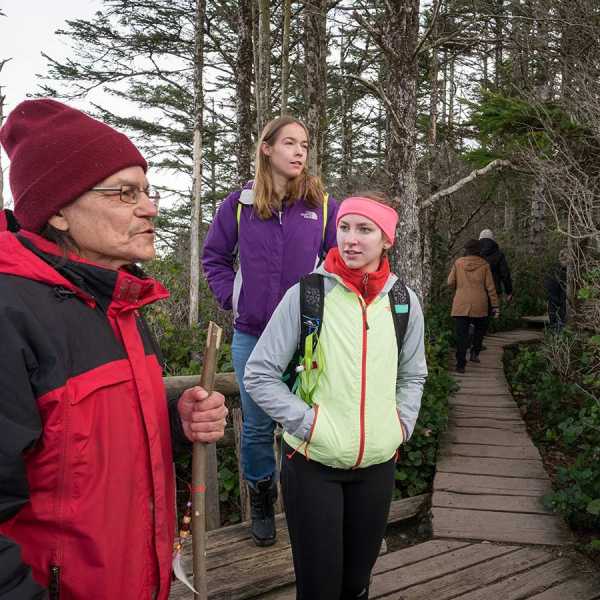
(304, 185)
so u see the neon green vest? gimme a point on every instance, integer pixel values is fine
(356, 422)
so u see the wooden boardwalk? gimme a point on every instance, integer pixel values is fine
(490, 478)
(493, 538)
(237, 569)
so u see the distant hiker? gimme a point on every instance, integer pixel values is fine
(357, 401)
(498, 264)
(86, 432)
(555, 284)
(472, 278)
(278, 227)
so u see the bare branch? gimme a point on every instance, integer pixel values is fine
(436, 11)
(378, 91)
(495, 164)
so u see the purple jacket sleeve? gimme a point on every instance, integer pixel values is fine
(218, 255)
(330, 230)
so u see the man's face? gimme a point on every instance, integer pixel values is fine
(108, 231)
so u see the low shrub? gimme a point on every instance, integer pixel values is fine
(557, 383)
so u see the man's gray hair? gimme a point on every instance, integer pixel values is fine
(486, 233)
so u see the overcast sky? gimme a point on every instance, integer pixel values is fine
(26, 31)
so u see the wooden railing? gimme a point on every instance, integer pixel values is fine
(226, 384)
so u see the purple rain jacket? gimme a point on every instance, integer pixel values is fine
(273, 255)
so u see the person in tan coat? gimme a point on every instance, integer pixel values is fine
(472, 278)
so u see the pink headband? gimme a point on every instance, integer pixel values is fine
(385, 217)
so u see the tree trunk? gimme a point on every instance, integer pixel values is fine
(518, 51)
(263, 77)
(285, 55)
(498, 46)
(315, 53)
(400, 33)
(196, 215)
(451, 97)
(509, 216)
(537, 224)
(346, 117)
(244, 71)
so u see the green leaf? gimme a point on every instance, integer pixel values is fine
(594, 507)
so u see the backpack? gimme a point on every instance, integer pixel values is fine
(302, 373)
(238, 217)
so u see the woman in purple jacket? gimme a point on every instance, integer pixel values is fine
(276, 228)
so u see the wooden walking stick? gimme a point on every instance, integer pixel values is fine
(199, 468)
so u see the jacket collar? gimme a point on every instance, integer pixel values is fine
(30, 256)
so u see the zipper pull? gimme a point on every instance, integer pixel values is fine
(365, 283)
(54, 583)
(363, 306)
(280, 213)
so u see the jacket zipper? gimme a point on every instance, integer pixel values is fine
(363, 383)
(58, 551)
(54, 583)
(280, 213)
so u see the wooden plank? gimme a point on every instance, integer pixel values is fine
(392, 581)
(245, 579)
(486, 484)
(582, 588)
(492, 402)
(500, 467)
(484, 391)
(490, 502)
(484, 382)
(522, 585)
(509, 413)
(528, 452)
(459, 583)
(406, 508)
(487, 437)
(513, 425)
(499, 526)
(414, 554)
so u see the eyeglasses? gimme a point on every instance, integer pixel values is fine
(130, 194)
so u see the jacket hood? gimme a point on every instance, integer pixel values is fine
(472, 263)
(490, 250)
(30, 256)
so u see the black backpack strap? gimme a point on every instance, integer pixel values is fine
(400, 307)
(312, 302)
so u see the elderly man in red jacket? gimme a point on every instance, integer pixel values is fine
(86, 431)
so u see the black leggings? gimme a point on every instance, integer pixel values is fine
(462, 336)
(336, 519)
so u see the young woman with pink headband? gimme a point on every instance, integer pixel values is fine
(340, 446)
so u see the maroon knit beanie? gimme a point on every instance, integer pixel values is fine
(58, 153)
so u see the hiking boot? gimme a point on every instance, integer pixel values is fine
(460, 369)
(474, 357)
(262, 498)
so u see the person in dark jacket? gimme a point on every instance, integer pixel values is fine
(490, 250)
(278, 227)
(555, 284)
(86, 432)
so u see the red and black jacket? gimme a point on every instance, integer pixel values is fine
(86, 481)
